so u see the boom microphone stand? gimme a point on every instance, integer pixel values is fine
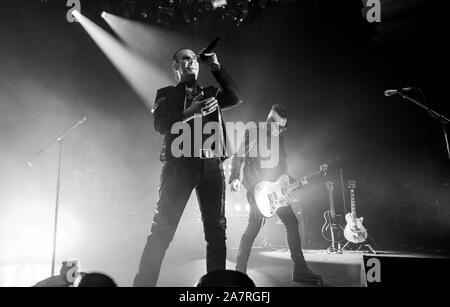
(443, 120)
(59, 139)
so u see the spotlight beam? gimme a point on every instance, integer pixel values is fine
(154, 43)
(140, 74)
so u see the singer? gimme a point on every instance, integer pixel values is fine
(189, 102)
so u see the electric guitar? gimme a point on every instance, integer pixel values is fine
(354, 230)
(269, 196)
(332, 229)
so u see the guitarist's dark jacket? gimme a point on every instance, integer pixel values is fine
(170, 103)
(253, 173)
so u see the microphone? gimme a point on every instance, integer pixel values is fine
(82, 120)
(393, 92)
(209, 48)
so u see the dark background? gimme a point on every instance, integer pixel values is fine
(319, 58)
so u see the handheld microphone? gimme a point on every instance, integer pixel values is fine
(209, 48)
(393, 92)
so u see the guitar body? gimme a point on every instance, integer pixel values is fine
(269, 196)
(333, 229)
(354, 231)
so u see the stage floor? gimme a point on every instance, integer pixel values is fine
(267, 268)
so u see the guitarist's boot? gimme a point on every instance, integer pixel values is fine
(306, 276)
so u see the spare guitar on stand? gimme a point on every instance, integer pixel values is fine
(333, 229)
(354, 231)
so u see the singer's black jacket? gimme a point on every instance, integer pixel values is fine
(169, 106)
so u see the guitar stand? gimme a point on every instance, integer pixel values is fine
(361, 245)
(265, 242)
(333, 250)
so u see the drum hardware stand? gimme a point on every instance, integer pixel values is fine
(59, 139)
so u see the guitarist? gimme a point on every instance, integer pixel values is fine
(254, 173)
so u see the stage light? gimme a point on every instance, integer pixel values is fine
(166, 16)
(242, 12)
(144, 12)
(232, 13)
(189, 17)
(237, 207)
(218, 3)
(102, 8)
(262, 3)
(168, 12)
(137, 70)
(243, 16)
(103, 14)
(74, 13)
(127, 13)
(128, 8)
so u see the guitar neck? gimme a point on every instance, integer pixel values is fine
(313, 174)
(353, 204)
(332, 210)
(298, 184)
(294, 186)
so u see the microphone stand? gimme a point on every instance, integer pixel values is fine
(59, 139)
(443, 120)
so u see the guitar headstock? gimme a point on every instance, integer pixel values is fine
(329, 185)
(352, 184)
(323, 169)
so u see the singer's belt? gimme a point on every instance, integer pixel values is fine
(208, 154)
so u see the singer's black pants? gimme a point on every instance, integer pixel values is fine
(255, 221)
(178, 178)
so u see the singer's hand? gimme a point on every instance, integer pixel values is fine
(201, 107)
(211, 61)
(304, 181)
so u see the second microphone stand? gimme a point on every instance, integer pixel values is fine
(442, 119)
(59, 139)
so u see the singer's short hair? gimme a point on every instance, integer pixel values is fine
(175, 55)
(280, 109)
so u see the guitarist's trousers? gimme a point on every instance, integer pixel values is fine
(178, 178)
(255, 221)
